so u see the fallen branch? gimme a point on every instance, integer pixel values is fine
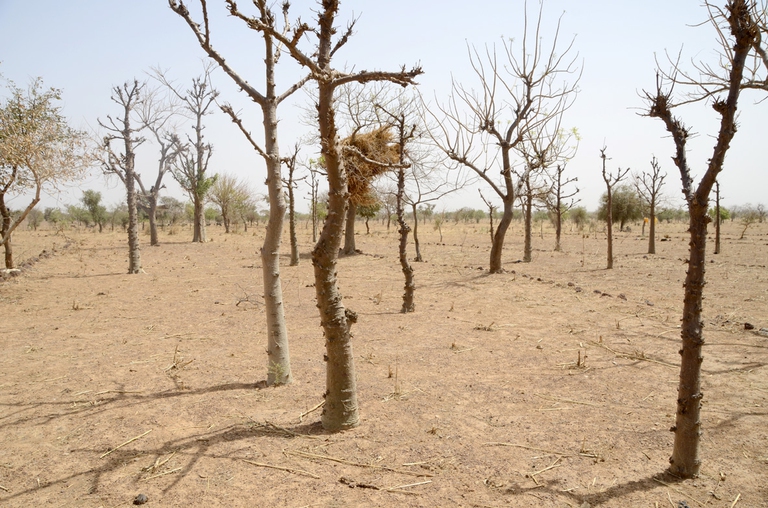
(569, 401)
(678, 491)
(307, 455)
(288, 469)
(302, 415)
(163, 474)
(127, 442)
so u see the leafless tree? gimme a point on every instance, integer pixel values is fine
(648, 185)
(264, 22)
(156, 116)
(611, 180)
(341, 408)
(741, 32)
(125, 130)
(290, 184)
(190, 166)
(38, 150)
(559, 201)
(231, 195)
(516, 96)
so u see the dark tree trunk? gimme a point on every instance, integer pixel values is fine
(198, 235)
(292, 223)
(5, 213)
(609, 227)
(410, 286)
(498, 238)
(154, 240)
(652, 230)
(349, 232)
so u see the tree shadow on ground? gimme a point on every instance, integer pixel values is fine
(608, 497)
(192, 448)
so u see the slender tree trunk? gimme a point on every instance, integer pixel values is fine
(278, 355)
(416, 244)
(558, 224)
(410, 285)
(349, 232)
(5, 213)
(685, 459)
(152, 213)
(717, 217)
(340, 410)
(198, 235)
(498, 238)
(134, 251)
(652, 230)
(609, 226)
(292, 225)
(528, 214)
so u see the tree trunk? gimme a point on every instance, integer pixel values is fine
(199, 219)
(349, 232)
(558, 225)
(292, 226)
(340, 410)
(609, 226)
(498, 238)
(685, 460)
(717, 217)
(152, 213)
(410, 285)
(528, 218)
(416, 244)
(134, 251)
(652, 230)
(5, 213)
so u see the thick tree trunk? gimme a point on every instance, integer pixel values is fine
(410, 286)
(416, 243)
(198, 235)
(349, 231)
(558, 225)
(341, 410)
(278, 355)
(528, 219)
(498, 238)
(685, 460)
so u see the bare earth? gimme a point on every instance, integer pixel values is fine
(550, 385)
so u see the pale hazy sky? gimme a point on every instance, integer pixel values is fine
(86, 47)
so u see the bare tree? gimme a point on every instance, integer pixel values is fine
(125, 130)
(516, 97)
(190, 166)
(38, 150)
(341, 408)
(560, 201)
(610, 182)
(264, 22)
(290, 184)
(648, 186)
(156, 115)
(741, 31)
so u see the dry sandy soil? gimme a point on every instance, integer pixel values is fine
(550, 385)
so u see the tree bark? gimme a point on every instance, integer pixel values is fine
(652, 230)
(292, 223)
(416, 243)
(717, 217)
(685, 459)
(154, 240)
(198, 236)
(134, 251)
(410, 286)
(609, 228)
(349, 231)
(341, 409)
(528, 219)
(5, 213)
(501, 230)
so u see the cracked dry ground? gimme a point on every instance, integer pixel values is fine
(552, 384)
